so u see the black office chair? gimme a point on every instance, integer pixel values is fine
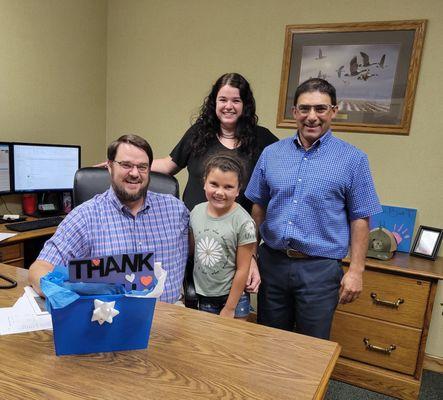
(90, 181)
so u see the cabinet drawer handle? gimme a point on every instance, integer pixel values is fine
(372, 347)
(393, 304)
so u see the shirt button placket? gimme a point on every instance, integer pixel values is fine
(138, 240)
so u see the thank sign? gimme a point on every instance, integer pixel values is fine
(134, 271)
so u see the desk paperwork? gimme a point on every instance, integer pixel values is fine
(4, 236)
(26, 315)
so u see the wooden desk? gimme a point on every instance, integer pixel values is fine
(22, 249)
(191, 355)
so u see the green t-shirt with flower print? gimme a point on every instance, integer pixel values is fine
(216, 241)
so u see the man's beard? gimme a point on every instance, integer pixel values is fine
(126, 197)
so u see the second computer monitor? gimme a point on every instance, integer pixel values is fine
(43, 167)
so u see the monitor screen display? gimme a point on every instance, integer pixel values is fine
(39, 167)
(5, 168)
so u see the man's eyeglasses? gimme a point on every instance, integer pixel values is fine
(319, 109)
(128, 166)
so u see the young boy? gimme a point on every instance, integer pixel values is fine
(223, 239)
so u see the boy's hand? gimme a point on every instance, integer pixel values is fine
(227, 312)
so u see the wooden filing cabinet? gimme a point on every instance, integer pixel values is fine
(12, 254)
(22, 249)
(383, 333)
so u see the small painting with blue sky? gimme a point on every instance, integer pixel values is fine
(400, 221)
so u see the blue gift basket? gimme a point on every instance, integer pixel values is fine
(106, 319)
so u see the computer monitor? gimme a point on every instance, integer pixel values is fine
(44, 167)
(5, 168)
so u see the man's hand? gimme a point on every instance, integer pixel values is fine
(351, 286)
(254, 280)
(352, 282)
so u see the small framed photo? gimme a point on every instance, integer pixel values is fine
(427, 242)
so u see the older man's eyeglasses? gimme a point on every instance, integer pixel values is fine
(128, 166)
(319, 109)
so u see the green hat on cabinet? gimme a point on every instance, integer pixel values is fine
(382, 244)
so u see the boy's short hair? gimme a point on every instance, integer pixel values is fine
(225, 162)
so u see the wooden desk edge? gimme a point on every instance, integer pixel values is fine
(323, 387)
(21, 236)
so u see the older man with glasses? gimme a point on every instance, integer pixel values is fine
(312, 194)
(126, 219)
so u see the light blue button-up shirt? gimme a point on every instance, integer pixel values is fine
(312, 195)
(103, 226)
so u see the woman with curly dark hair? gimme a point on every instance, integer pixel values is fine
(228, 123)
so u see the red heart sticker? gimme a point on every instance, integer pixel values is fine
(96, 262)
(146, 280)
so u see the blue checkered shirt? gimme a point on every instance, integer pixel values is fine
(102, 226)
(310, 196)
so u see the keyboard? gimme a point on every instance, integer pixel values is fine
(36, 224)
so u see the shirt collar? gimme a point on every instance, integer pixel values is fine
(322, 140)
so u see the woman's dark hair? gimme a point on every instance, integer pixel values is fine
(226, 162)
(208, 125)
(136, 141)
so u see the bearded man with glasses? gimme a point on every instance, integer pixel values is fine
(125, 219)
(313, 194)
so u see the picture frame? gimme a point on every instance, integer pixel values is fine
(427, 242)
(374, 67)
